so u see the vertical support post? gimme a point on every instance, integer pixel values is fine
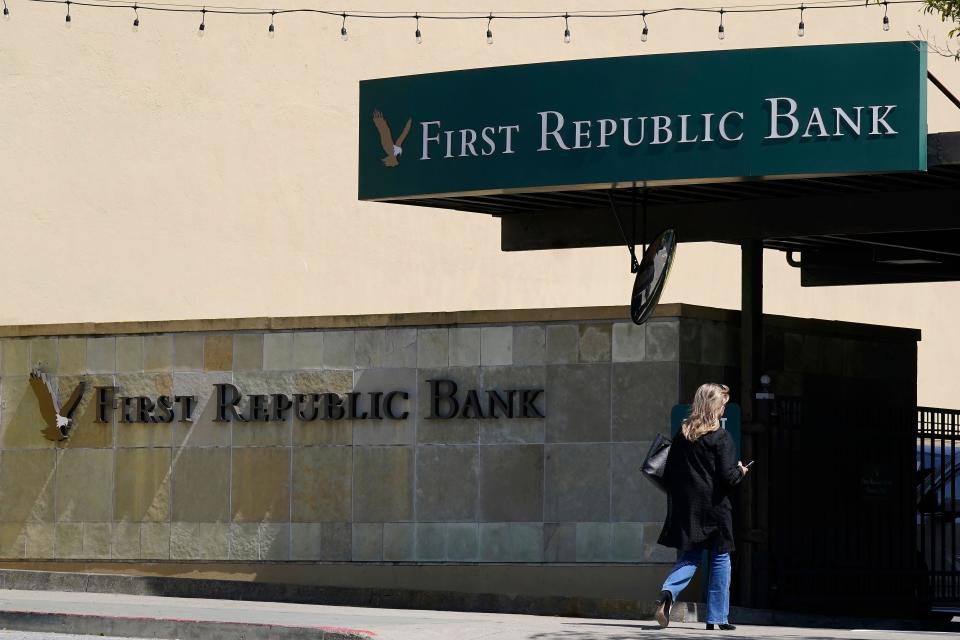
(751, 359)
(751, 324)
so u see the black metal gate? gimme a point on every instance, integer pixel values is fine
(938, 501)
(841, 531)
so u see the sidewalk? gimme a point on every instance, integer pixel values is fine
(183, 619)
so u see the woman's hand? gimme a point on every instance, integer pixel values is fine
(743, 470)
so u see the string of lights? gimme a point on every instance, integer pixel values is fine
(568, 16)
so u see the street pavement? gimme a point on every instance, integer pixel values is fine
(386, 624)
(684, 631)
(30, 635)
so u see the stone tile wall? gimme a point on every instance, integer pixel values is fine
(561, 489)
(565, 488)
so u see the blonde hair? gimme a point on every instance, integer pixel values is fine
(708, 405)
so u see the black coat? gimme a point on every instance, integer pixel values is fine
(699, 477)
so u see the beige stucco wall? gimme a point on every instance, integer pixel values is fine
(158, 175)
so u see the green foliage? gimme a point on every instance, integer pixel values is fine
(949, 11)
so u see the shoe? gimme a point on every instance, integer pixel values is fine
(664, 602)
(723, 627)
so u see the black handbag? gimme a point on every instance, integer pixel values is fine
(655, 464)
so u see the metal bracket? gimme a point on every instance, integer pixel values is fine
(943, 89)
(631, 247)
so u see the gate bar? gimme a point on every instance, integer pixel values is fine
(751, 352)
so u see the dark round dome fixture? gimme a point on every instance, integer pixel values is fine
(652, 276)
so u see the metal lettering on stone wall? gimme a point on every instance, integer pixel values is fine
(447, 401)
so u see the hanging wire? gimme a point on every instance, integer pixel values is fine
(419, 37)
(136, 19)
(646, 32)
(800, 28)
(468, 15)
(721, 32)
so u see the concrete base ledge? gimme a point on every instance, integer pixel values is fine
(102, 625)
(689, 612)
(575, 607)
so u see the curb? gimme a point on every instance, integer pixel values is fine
(71, 623)
(29, 580)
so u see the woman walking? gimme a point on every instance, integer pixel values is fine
(701, 470)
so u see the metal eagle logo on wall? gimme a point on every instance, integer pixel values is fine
(393, 148)
(59, 419)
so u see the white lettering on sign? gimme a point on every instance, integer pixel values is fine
(879, 120)
(683, 130)
(608, 127)
(706, 127)
(723, 126)
(815, 119)
(787, 120)
(468, 137)
(581, 134)
(776, 114)
(557, 135)
(626, 130)
(783, 112)
(508, 148)
(489, 145)
(842, 115)
(555, 132)
(466, 142)
(661, 128)
(427, 138)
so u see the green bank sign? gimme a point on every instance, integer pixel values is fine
(791, 111)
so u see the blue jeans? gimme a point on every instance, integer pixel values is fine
(718, 591)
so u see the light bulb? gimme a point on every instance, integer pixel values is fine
(643, 34)
(489, 36)
(136, 25)
(271, 32)
(343, 34)
(69, 21)
(886, 23)
(800, 29)
(720, 34)
(419, 37)
(201, 30)
(566, 36)
(6, 13)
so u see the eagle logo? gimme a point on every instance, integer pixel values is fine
(59, 420)
(392, 148)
